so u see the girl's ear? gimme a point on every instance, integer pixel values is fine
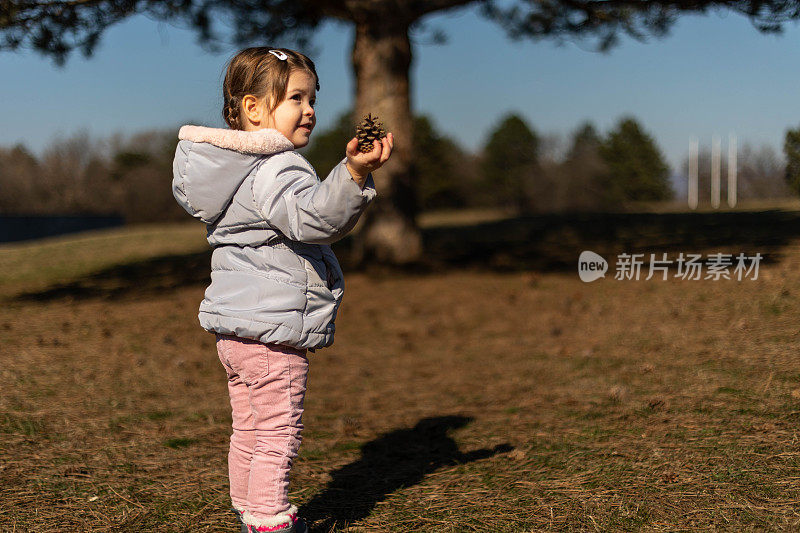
(253, 109)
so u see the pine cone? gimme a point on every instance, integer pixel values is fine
(369, 130)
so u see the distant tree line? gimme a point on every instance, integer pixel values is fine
(78, 175)
(516, 169)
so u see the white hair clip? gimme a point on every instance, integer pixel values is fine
(280, 55)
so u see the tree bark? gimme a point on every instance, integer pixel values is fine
(387, 232)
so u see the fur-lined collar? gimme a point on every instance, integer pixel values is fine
(264, 141)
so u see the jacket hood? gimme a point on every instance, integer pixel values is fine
(211, 163)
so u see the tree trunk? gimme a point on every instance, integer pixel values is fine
(387, 232)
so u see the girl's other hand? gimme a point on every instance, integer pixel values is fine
(360, 164)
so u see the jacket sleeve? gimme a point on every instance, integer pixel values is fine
(293, 200)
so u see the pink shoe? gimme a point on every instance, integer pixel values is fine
(287, 522)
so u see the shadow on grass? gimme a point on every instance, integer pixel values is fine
(137, 279)
(553, 242)
(550, 242)
(398, 459)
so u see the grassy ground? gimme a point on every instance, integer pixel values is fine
(506, 397)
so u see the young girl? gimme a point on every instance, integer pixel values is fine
(275, 283)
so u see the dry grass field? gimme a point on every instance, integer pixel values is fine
(490, 391)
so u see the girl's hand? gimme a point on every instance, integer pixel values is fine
(360, 164)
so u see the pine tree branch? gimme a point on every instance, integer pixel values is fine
(423, 7)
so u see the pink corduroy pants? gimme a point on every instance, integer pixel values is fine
(267, 386)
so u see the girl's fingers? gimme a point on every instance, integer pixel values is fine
(351, 146)
(387, 150)
(381, 150)
(376, 150)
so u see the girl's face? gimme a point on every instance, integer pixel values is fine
(294, 117)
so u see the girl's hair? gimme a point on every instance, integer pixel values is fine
(258, 72)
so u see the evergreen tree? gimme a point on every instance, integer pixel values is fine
(585, 141)
(509, 163)
(791, 149)
(583, 171)
(439, 184)
(636, 169)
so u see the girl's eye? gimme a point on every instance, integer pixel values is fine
(296, 97)
(313, 103)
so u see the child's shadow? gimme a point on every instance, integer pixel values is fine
(398, 459)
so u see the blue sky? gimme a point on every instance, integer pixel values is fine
(712, 74)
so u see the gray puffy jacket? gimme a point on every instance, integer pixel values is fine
(270, 220)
